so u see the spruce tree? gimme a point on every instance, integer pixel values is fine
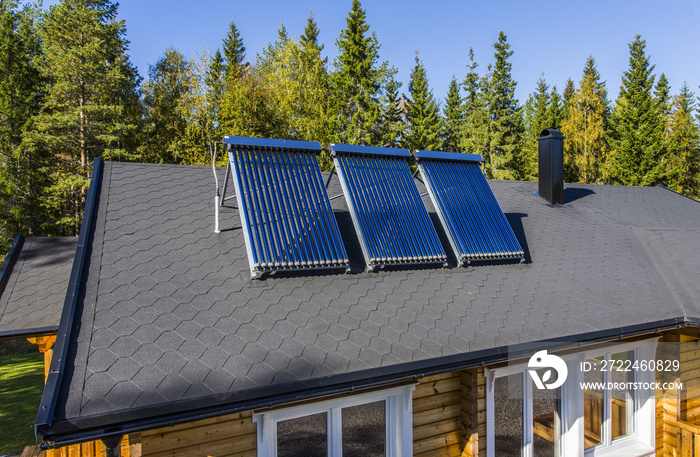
(505, 122)
(555, 110)
(453, 113)
(215, 81)
(91, 105)
(424, 123)
(474, 135)
(586, 149)
(234, 52)
(684, 145)
(637, 128)
(309, 40)
(567, 98)
(393, 114)
(357, 81)
(536, 119)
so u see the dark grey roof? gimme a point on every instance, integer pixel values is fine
(32, 300)
(178, 324)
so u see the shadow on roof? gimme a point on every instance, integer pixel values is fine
(574, 193)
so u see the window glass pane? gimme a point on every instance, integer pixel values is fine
(545, 418)
(622, 395)
(593, 404)
(303, 436)
(508, 415)
(364, 430)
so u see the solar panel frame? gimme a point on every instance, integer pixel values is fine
(286, 216)
(383, 218)
(477, 231)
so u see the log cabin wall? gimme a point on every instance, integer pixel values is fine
(233, 435)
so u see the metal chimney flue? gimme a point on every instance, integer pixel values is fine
(551, 166)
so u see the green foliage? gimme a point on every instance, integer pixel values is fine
(537, 114)
(394, 109)
(637, 127)
(555, 110)
(21, 385)
(424, 125)
(475, 137)
(453, 114)
(169, 81)
(234, 52)
(505, 131)
(683, 172)
(586, 149)
(23, 174)
(356, 82)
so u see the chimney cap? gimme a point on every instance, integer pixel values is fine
(550, 133)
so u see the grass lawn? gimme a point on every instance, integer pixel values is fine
(21, 385)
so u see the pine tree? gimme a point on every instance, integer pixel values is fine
(357, 81)
(234, 52)
(424, 124)
(505, 122)
(637, 130)
(453, 113)
(91, 102)
(684, 145)
(586, 148)
(22, 169)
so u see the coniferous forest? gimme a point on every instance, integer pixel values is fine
(68, 94)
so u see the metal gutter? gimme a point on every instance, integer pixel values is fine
(67, 326)
(28, 333)
(10, 261)
(169, 414)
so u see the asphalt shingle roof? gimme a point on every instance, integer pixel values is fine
(170, 313)
(36, 289)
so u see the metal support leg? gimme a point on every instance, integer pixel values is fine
(330, 175)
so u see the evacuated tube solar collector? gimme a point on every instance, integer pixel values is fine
(286, 216)
(468, 210)
(391, 222)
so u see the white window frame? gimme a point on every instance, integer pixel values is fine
(639, 442)
(399, 421)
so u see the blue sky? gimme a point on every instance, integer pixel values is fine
(546, 36)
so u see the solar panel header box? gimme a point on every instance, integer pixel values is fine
(387, 211)
(467, 208)
(286, 216)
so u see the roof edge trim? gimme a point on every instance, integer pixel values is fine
(28, 333)
(168, 414)
(678, 193)
(54, 380)
(10, 262)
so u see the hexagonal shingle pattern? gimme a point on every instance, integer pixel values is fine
(36, 289)
(177, 316)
